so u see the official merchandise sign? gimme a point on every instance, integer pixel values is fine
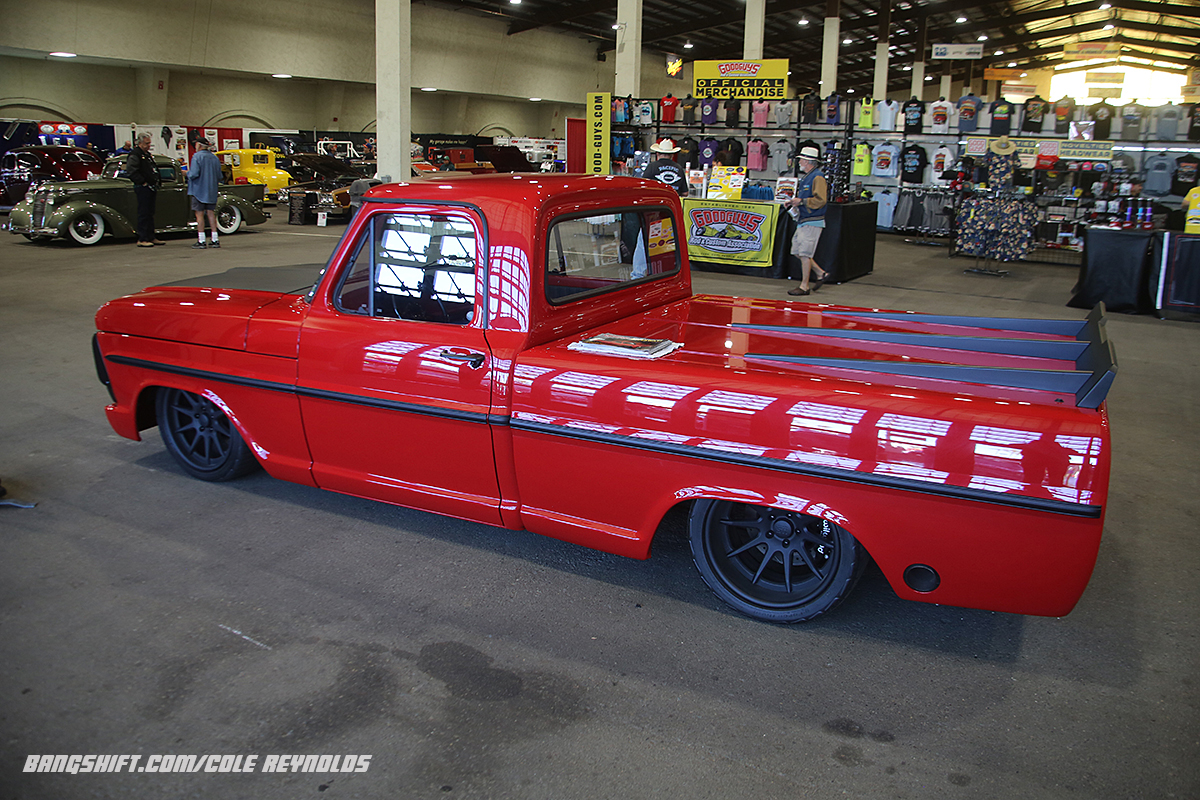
(743, 80)
(731, 231)
(1083, 51)
(598, 105)
(942, 51)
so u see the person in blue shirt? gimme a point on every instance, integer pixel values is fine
(808, 208)
(203, 177)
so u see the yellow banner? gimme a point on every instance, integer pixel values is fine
(1000, 74)
(731, 231)
(744, 80)
(1071, 150)
(598, 144)
(1082, 51)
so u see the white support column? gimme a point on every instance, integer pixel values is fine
(756, 21)
(918, 80)
(944, 89)
(829, 55)
(393, 87)
(879, 89)
(629, 49)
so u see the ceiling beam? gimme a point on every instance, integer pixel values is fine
(565, 14)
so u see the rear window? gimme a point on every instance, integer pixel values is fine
(596, 253)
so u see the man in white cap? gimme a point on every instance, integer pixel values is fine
(665, 170)
(808, 208)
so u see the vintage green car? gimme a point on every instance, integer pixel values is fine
(83, 211)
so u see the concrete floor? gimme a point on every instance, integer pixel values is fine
(145, 612)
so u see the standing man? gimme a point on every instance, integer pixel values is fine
(140, 169)
(808, 208)
(204, 175)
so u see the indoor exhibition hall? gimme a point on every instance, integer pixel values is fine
(552, 400)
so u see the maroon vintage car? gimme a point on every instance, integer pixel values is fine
(24, 168)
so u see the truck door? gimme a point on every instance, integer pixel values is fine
(394, 374)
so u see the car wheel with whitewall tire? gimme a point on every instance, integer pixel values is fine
(201, 438)
(229, 219)
(86, 228)
(773, 564)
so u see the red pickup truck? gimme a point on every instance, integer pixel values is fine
(526, 351)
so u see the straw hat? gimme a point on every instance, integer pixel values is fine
(1003, 146)
(809, 152)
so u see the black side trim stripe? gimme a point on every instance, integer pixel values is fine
(830, 473)
(319, 394)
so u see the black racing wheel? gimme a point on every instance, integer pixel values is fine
(201, 437)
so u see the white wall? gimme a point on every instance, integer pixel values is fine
(219, 54)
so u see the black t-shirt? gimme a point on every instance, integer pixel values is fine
(810, 107)
(733, 111)
(1187, 167)
(1194, 128)
(667, 171)
(1035, 113)
(913, 161)
(1063, 111)
(1103, 114)
(914, 112)
(689, 152)
(1002, 114)
(735, 150)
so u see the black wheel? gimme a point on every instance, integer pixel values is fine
(772, 564)
(229, 219)
(201, 438)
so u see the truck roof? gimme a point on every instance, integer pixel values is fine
(530, 188)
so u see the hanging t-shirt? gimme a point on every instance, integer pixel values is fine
(968, 113)
(733, 111)
(862, 159)
(667, 106)
(1064, 112)
(734, 148)
(866, 113)
(760, 111)
(886, 113)
(1193, 132)
(940, 112)
(833, 110)
(886, 159)
(783, 113)
(708, 110)
(1034, 115)
(913, 161)
(618, 109)
(708, 149)
(943, 159)
(810, 108)
(914, 114)
(780, 150)
(1103, 115)
(887, 208)
(1184, 179)
(1159, 170)
(645, 113)
(756, 155)
(687, 108)
(1131, 121)
(689, 152)
(1002, 114)
(1168, 121)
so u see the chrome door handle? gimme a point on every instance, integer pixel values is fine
(474, 359)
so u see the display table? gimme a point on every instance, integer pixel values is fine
(846, 249)
(1140, 272)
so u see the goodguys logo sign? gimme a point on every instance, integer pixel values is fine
(598, 104)
(743, 80)
(736, 232)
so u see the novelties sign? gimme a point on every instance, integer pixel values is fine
(731, 231)
(598, 104)
(741, 80)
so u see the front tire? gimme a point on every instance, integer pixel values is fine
(86, 229)
(772, 564)
(229, 219)
(201, 438)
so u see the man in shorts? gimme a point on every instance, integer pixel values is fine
(808, 209)
(204, 175)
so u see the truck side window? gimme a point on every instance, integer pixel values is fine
(416, 267)
(600, 252)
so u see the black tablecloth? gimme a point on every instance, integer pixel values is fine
(1115, 270)
(847, 247)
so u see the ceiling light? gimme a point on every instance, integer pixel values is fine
(514, 2)
(983, 37)
(998, 53)
(616, 26)
(1109, 26)
(961, 19)
(908, 67)
(535, 99)
(1105, 6)
(847, 41)
(1012, 63)
(928, 77)
(62, 54)
(803, 21)
(850, 91)
(688, 46)
(1024, 74)
(281, 75)
(428, 88)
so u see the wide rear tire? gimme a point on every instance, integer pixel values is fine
(772, 564)
(201, 438)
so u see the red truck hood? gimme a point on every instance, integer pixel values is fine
(990, 405)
